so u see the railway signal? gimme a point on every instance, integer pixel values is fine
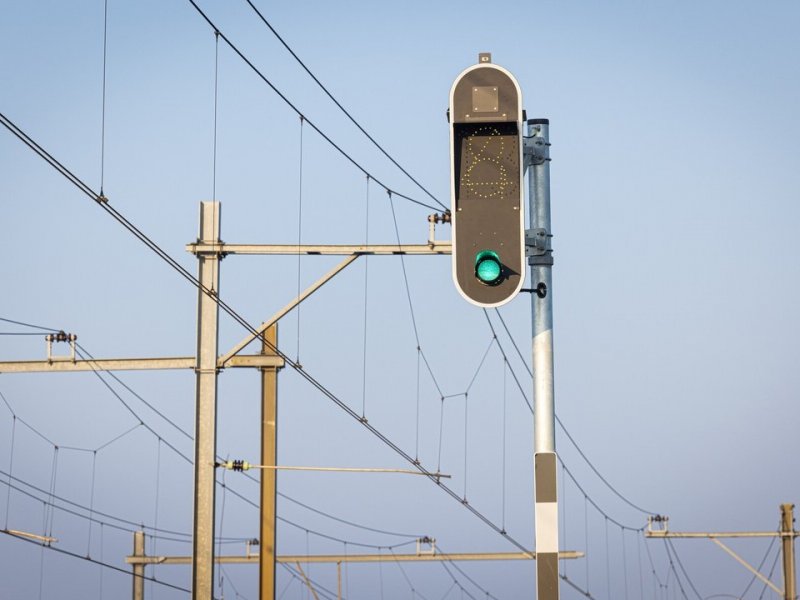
(486, 195)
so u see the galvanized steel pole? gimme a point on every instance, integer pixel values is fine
(205, 431)
(540, 259)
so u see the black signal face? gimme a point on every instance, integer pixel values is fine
(489, 162)
(486, 197)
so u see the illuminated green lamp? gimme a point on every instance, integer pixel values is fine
(488, 269)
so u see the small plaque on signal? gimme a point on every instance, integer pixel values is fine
(485, 99)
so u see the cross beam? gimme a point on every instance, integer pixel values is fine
(352, 558)
(64, 365)
(336, 249)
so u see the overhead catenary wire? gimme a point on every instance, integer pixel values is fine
(342, 108)
(25, 423)
(653, 565)
(101, 570)
(190, 438)
(414, 591)
(405, 273)
(299, 234)
(188, 460)
(183, 272)
(575, 586)
(416, 416)
(91, 504)
(95, 561)
(216, 109)
(98, 374)
(563, 513)
(230, 581)
(624, 565)
(481, 361)
(41, 567)
(220, 526)
(592, 501)
(366, 306)
(163, 534)
(320, 589)
(458, 583)
(23, 324)
(769, 576)
(49, 514)
(286, 587)
(136, 395)
(10, 468)
(50, 497)
(563, 427)
(683, 569)
(586, 534)
(153, 552)
(674, 571)
(380, 571)
(15, 333)
(641, 570)
(346, 522)
(505, 357)
(93, 515)
(156, 494)
(608, 562)
(504, 443)
(103, 111)
(333, 538)
(760, 566)
(454, 564)
(291, 105)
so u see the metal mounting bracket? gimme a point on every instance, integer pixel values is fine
(537, 246)
(426, 546)
(60, 337)
(535, 151)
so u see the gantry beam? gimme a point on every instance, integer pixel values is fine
(732, 534)
(64, 365)
(352, 558)
(336, 249)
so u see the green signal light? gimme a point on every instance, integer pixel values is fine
(488, 269)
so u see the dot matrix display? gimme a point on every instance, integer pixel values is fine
(490, 155)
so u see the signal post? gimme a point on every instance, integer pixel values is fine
(540, 259)
(489, 155)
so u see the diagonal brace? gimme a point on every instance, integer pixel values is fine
(223, 360)
(307, 582)
(747, 566)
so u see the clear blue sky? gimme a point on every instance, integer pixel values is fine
(675, 180)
